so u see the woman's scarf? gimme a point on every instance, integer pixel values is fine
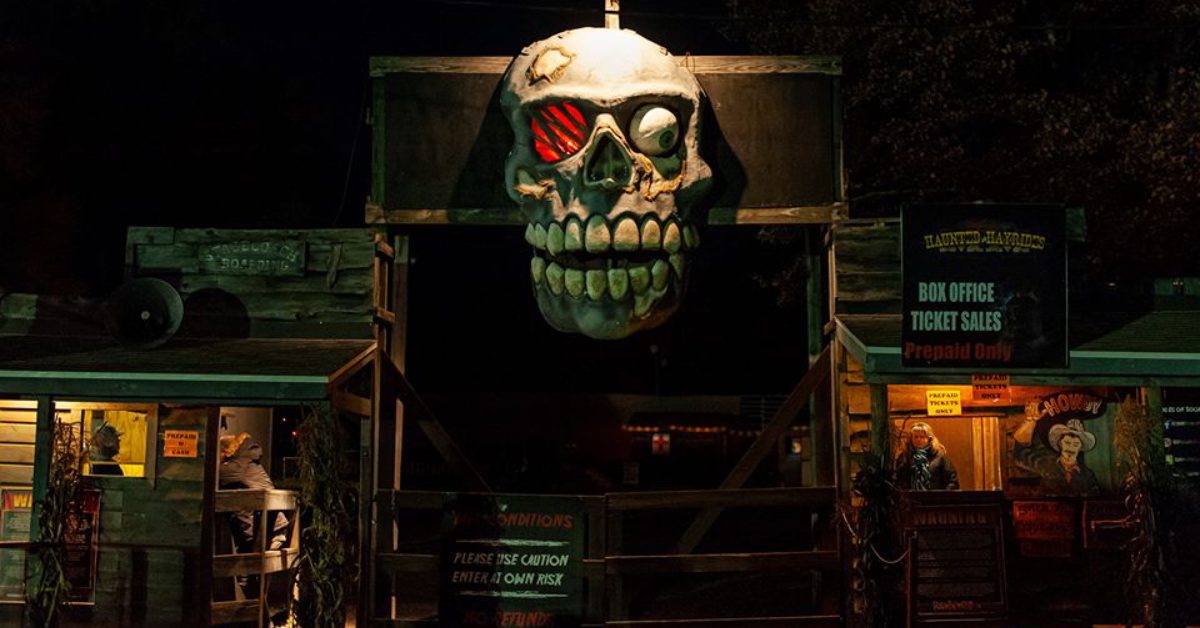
(920, 469)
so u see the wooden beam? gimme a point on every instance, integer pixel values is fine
(234, 611)
(798, 621)
(757, 562)
(746, 497)
(437, 435)
(347, 402)
(770, 434)
(270, 561)
(350, 369)
(237, 500)
(512, 216)
(704, 64)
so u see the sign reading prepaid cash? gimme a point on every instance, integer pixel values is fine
(181, 444)
(512, 560)
(984, 285)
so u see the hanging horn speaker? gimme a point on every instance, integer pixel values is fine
(143, 313)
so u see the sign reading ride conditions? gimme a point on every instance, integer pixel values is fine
(512, 560)
(984, 286)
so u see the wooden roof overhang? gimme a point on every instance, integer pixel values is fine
(1120, 349)
(243, 370)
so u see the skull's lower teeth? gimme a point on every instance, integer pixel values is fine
(602, 278)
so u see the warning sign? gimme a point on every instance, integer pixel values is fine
(946, 402)
(181, 444)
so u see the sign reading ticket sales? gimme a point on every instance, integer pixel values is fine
(984, 286)
(512, 560)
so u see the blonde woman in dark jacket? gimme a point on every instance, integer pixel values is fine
(923, 464)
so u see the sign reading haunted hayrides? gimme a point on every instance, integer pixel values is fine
(984, 286)
(512, 560)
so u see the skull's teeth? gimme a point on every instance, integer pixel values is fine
(651, 235)
(625, 236)
(637, 282)
(573, 235)
(597, 236)
(671, 238)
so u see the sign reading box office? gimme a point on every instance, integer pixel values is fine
(984, 286)
(512, 560)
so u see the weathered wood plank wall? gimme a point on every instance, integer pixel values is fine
(262, 283)
(151, 560)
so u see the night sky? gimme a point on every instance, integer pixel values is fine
(233, 114)
(222, 114)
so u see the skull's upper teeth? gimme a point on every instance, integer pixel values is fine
(573, 235)
(554, 238)
(671, 238)
(651, 235)
(596, 236)
(625, 236)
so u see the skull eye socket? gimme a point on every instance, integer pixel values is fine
(558, 129)
(654, 130)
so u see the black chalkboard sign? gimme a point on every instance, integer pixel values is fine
(984, 286)
(959, 562)
(512, 560)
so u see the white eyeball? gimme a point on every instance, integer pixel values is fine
(654, 129)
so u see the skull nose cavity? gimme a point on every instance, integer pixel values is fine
(608, 167)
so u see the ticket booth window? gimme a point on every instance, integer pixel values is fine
(973, 444)
(118, 438)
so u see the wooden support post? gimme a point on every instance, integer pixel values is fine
(821, 411)
(366, 500)
(43, 450)
(212, 429)
(881, 426)
(596, 538)
(612, 14)
(614, 584)
(759, 448)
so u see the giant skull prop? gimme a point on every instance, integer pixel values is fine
(606, 167)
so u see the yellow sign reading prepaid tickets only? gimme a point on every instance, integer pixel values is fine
(181, 444)
(945, 402)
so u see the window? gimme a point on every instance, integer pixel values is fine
(119, 438)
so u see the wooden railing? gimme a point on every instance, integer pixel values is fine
(264, 503)
(606, 565)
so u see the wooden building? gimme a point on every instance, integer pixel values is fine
(1047, 532)
(276, 323)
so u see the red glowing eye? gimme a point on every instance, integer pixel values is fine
(559, 130)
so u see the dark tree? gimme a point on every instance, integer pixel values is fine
(1092, 103)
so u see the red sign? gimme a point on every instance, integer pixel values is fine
(660, 444)
(992, 388)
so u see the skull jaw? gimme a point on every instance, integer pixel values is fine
(607, 319)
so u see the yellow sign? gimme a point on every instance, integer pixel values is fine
(991, 387)
(181, 444)
(943, 402)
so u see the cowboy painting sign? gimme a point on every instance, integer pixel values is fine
(1061, 446)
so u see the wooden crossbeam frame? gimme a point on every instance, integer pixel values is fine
(770, 434)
